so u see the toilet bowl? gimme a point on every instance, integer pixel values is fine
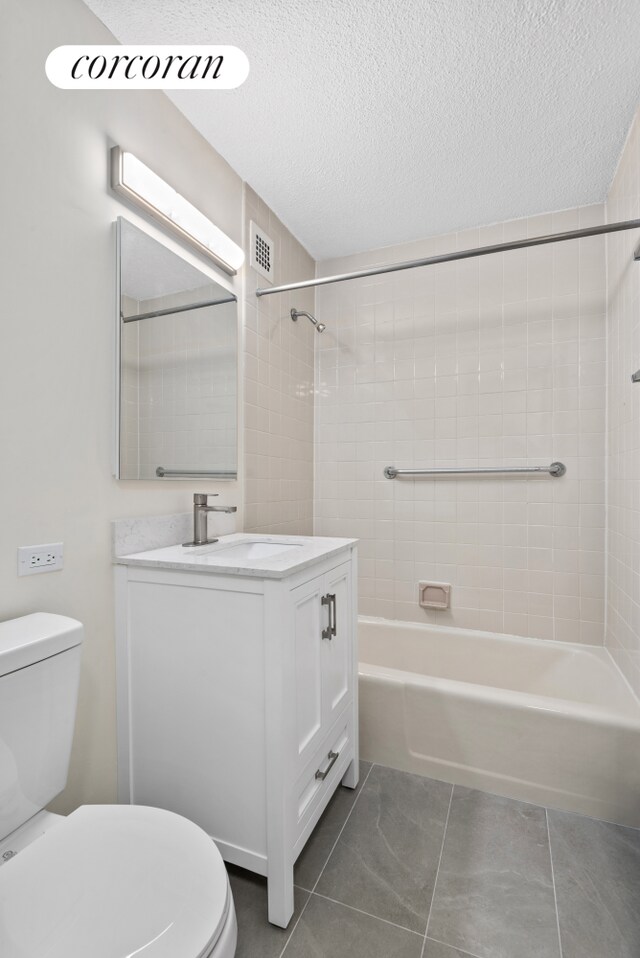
(115, 881)
(106, 881)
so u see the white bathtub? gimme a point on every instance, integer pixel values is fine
(547, 722)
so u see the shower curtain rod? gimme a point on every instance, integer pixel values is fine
(461, 254)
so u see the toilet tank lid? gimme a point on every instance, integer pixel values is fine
(35, 637)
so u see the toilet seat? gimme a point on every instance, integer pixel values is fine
(116, 881)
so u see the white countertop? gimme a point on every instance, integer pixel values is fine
(304, 551)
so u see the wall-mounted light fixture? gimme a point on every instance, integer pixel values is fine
(132, 179)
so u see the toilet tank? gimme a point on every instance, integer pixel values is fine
(39, 672)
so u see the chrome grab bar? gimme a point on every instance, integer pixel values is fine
(136, 317)
(162, 473)
(556, 469)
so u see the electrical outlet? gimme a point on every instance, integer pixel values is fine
(35, 559)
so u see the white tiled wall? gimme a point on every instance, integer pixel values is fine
(278, 387)
(180, 377)
(623, 328)
(498, 360)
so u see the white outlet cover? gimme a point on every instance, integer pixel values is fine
(32, 560)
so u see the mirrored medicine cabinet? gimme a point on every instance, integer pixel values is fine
(177, 365)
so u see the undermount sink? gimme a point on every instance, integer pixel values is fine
(255, 550)
(240, 553)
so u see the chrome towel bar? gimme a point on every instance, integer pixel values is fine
(556, 469)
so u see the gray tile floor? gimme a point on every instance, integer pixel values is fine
(407, 867)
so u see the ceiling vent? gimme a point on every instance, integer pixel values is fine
(261, 252)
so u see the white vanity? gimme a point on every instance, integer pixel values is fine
(237, 691)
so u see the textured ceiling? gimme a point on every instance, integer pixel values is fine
(365, 123)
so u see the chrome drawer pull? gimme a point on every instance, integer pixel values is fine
(333, 756)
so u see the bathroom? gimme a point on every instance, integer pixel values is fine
(513, 359)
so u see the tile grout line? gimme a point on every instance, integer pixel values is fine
(467, 954)
(368, 914)
(344, 825)
(553, 880)
(304, 907)
(302, 911)
(435, 884)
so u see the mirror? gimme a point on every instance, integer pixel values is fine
(177, 369)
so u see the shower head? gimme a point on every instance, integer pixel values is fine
(320, 327)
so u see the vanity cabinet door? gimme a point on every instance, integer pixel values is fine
(337, 665)
(323, 656)
(308, 654)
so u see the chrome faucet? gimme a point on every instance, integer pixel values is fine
(200, 510)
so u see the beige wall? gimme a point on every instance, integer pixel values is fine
(56, 361)
(56, 365)
(623, 460)
(279, 387)
(489, 361)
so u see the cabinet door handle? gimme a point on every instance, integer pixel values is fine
(330, 630)
(332, 613)
(333, 758)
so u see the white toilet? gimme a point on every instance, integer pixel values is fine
(109, 881)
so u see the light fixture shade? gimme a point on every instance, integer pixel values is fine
(132, 179)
